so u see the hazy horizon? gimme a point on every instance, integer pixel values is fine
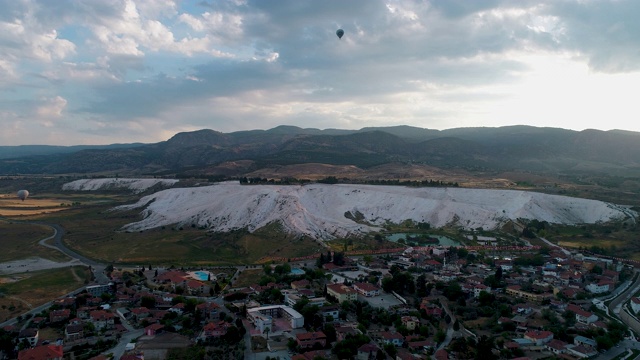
(124, 71)
(308, 127)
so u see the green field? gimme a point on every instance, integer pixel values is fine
(95, 231)
(20, 241)
(36, 288)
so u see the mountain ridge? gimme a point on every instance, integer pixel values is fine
(511, 148)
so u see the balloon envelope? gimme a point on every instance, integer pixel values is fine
(340, 32)
(23, 194)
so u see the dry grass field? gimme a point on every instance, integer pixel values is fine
(248, 277)
(11, 206)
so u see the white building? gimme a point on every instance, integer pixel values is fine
(599, 288)
(262, 322)
(296, 320)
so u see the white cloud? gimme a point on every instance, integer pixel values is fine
(20, 39)
(50, 109)
(193, 22)
(127, 65)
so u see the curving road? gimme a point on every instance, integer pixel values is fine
(96, 267)
(58, 244)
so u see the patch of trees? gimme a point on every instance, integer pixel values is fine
(192, 352)
(348, 348)
(530, 260)
(236, 296)
(6, 342)
(413, 183)
(533, 228)
(337, 258)
(329, 180)
(284, 181)
(401, 282)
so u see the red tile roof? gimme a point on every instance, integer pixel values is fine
(41, 353)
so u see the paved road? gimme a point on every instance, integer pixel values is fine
(126, 338)
(565, 251)
(58, 244)
(444, 301)
(617, 350)
(97, 267)
(616, 304)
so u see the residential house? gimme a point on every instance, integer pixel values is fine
(441, 354)
(434, 311)
(84, 312)
(584, 341)
(582, 351)
(73, 332)
(391, 338)
(208, 310)
(342, 292)
(153, 329)
(366, 289)
(421, 345)
(178, 308)
(516, 290)
(506, 265)
(343, 331)
(300, 284)
(310, 339)
(30, 335)
(43, 352)
(478, 288)
(140, 313)
(330, 312)
(367, 352)
(539, 338)
(195, 287)
(68, 302)
(557, 346)
(611, 275)
(102, 319)
(582, 316)
(59, 315)
(214, 330)
(410, 322)
(602, 286)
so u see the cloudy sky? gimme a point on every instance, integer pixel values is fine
(108, 71)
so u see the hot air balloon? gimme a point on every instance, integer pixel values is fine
(340, 32)
(23, 194)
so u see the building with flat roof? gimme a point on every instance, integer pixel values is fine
(259, 314)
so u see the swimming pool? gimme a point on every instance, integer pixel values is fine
(297, 271)
(201, 275)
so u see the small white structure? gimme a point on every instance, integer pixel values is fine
(635, 304)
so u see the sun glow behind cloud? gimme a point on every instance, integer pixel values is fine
(561, 91)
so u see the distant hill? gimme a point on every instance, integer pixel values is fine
(8, 152)
(553, 151)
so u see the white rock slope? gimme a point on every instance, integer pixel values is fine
(136, 185)
(319, 210)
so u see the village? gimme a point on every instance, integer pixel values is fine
(431, 302)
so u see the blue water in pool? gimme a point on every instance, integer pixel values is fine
(296, 271)
(202, 275)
